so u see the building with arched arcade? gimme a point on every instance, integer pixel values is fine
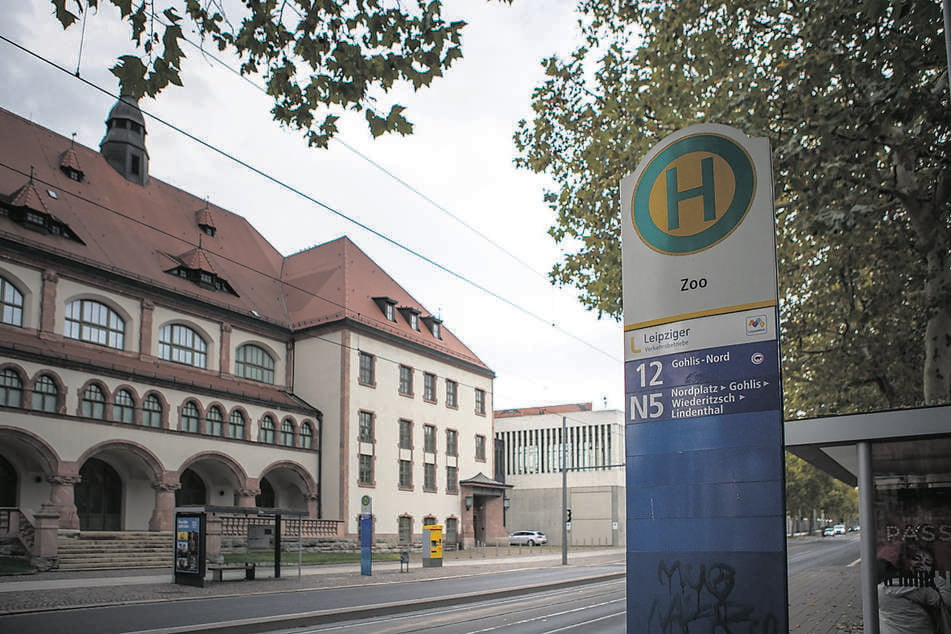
(157, 351)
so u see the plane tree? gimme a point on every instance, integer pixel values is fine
(854, 100)
(318, 58)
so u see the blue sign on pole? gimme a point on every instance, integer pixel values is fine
(705, 497)
(366, 544)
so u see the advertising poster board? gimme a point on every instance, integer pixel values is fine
(705, 497)
(190, 548)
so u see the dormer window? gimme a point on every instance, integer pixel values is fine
(435, 326)
(388, 306)
(411, 315)
(27, 208)
(197, 268)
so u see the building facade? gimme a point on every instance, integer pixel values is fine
(156, 350)
(536, 443)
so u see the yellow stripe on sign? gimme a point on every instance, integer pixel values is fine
(702, 313)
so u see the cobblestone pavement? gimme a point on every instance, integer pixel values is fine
(822, 600)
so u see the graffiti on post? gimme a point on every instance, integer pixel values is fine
(696, 597)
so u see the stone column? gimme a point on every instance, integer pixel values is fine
(246, 497)
(46, 523)
(62, 498)
(224, 354)
(48, 303)
(145, 328)
(163, 513)
(312, 506)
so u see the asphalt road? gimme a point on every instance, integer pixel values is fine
(418, 606)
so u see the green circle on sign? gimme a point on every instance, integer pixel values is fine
(365, 500)
(724, 161)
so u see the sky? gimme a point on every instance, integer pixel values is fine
(450, 191)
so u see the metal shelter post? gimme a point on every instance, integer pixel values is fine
(867, 547)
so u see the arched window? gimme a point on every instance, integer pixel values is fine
(123, 408)
(93, 403)
(152, 411)
(306, 436)
(190, 418)
(253, 362)
(287, 433)
(11, 304)
(214, 420)
(92, 321)
(11, 388)
(236, 425)
(181, 344)
(45, 394)
(267, 430)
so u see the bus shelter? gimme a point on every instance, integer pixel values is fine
(201, 529)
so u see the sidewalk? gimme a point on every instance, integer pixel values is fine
(823, 600)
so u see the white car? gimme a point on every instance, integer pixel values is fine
(839, 529)
(828, 531)
(527, 538)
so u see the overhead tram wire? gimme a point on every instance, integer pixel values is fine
(336, 138)
(309, 198)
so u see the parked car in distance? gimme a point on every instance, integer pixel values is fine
(839, 529)
(828, 531)
(527, 538)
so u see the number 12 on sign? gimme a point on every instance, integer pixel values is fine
(647, 406)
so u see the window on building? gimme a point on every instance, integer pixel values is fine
(366, 427)
(287, 433)
(452, 393)
(181, 344)
(45, 394)
(11, 388)
(253, 362)
(267, 430)
(11, 304)
(429, 439)
(406, 434)
(214, 420)
(152, 411)
(123, 407)
(190, 418)
(452, 530)
(429, 520)
(406, 474)
(479, 401)
(367, 370)
(405, 530)
(406, 380)
(93, 402)
(236, 425)
(452, 480)
(429, 387)
(92, 321)
(480, 447)
(306, 439)
(429, 476)
(452, 442)
(366, 469)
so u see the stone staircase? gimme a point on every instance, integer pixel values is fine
(92, 550)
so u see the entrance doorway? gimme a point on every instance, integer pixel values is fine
(193, 491)
(98, 497)
(8, 483)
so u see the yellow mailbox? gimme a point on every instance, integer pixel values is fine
(432, 546)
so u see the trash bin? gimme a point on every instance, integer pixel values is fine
(432, 546)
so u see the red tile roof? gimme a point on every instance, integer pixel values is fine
(28, 197)
(137, 230)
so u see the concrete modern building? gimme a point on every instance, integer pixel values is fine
(536, 443)
(156, 350)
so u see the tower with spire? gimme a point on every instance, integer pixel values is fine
(123, 146)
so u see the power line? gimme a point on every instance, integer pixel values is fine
(309, 198)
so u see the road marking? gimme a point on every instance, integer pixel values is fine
(855, 563)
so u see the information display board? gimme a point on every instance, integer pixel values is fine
(705, 497)
(189, 566)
